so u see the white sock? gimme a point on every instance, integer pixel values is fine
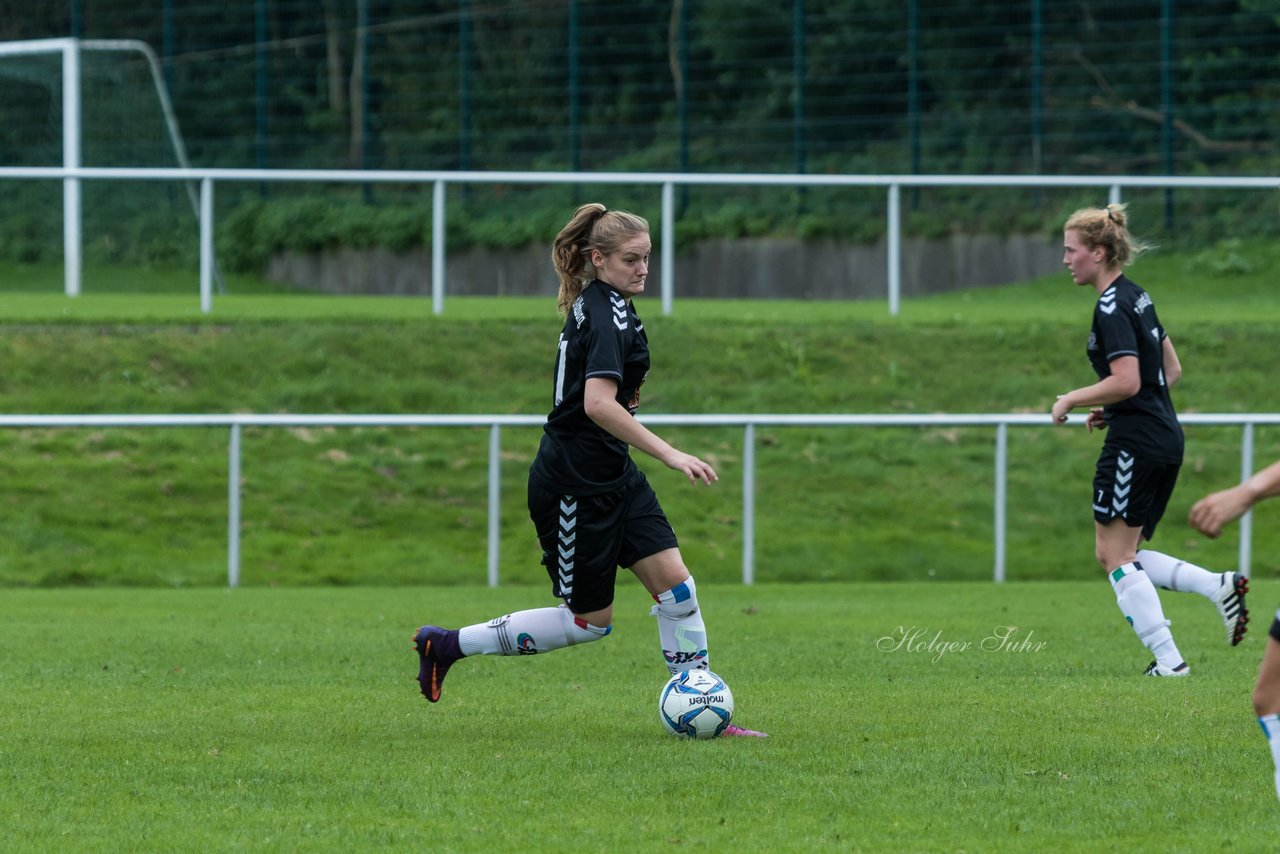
(1140, 604)
(528, 632)
(1178, 575)
(1271, 729)
(680, 628)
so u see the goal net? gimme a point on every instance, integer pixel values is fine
(124, 120)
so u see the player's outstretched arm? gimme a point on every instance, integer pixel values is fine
(602, 407)
(1172, 367)
(1218, 509)
(1123, 383)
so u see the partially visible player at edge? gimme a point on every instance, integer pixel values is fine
(1138, 467)
(593, 509)
(1208, 516)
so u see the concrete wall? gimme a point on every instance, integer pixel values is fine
(754, 268)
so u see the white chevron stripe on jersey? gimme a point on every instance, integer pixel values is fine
(1107, 302)
(568, 521)
(619, 306)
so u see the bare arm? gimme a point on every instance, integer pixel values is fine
(603, 408)
(1217, 509)
(1172, 367)
(1123, 383)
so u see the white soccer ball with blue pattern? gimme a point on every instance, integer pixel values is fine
(695, 704)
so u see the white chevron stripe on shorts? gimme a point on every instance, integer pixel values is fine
(566, 548)
(1120, 492)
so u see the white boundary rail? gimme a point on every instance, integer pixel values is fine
(668, 181)
(72, 172)
(495, 423)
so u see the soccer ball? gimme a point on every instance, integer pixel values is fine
(695, 704)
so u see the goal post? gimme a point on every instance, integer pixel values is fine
(71, 217)
(72, 131)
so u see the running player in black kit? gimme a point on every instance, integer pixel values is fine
(593, 509)
(1138, 467)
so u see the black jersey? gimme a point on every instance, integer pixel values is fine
(602, 337)
(1125, 324)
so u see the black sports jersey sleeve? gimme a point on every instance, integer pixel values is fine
(1125, 323)
(602, 337)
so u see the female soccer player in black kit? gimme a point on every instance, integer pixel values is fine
(1136, 364)
(593, 509)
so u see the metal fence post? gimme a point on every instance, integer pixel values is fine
(437, 247)
(1246, 521)
(895, 248)
(495, 500)
(748, 503)
(71, 213)
(668, 251)
(206, 244)
(1002, 467)
(233, 508)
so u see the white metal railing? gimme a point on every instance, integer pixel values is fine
(495, 423)
(668, 181)
(72, 172)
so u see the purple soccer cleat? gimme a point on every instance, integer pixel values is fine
(737, 730)
(437, 650)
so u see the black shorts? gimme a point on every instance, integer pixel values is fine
(1275, 627)
(1136, 490)
(586, 538)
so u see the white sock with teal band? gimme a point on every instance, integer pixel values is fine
(1271, 729)
(529, 632)
(1140, 604)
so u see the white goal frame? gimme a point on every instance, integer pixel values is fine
(70, 49)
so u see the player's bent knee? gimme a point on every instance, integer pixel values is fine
(581, 629)
(678, 602)
(1266, 699)
(584, 632)
(1266, 692)
(1261, 703)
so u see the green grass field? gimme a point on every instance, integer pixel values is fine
(289, 720)
(147, 707)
